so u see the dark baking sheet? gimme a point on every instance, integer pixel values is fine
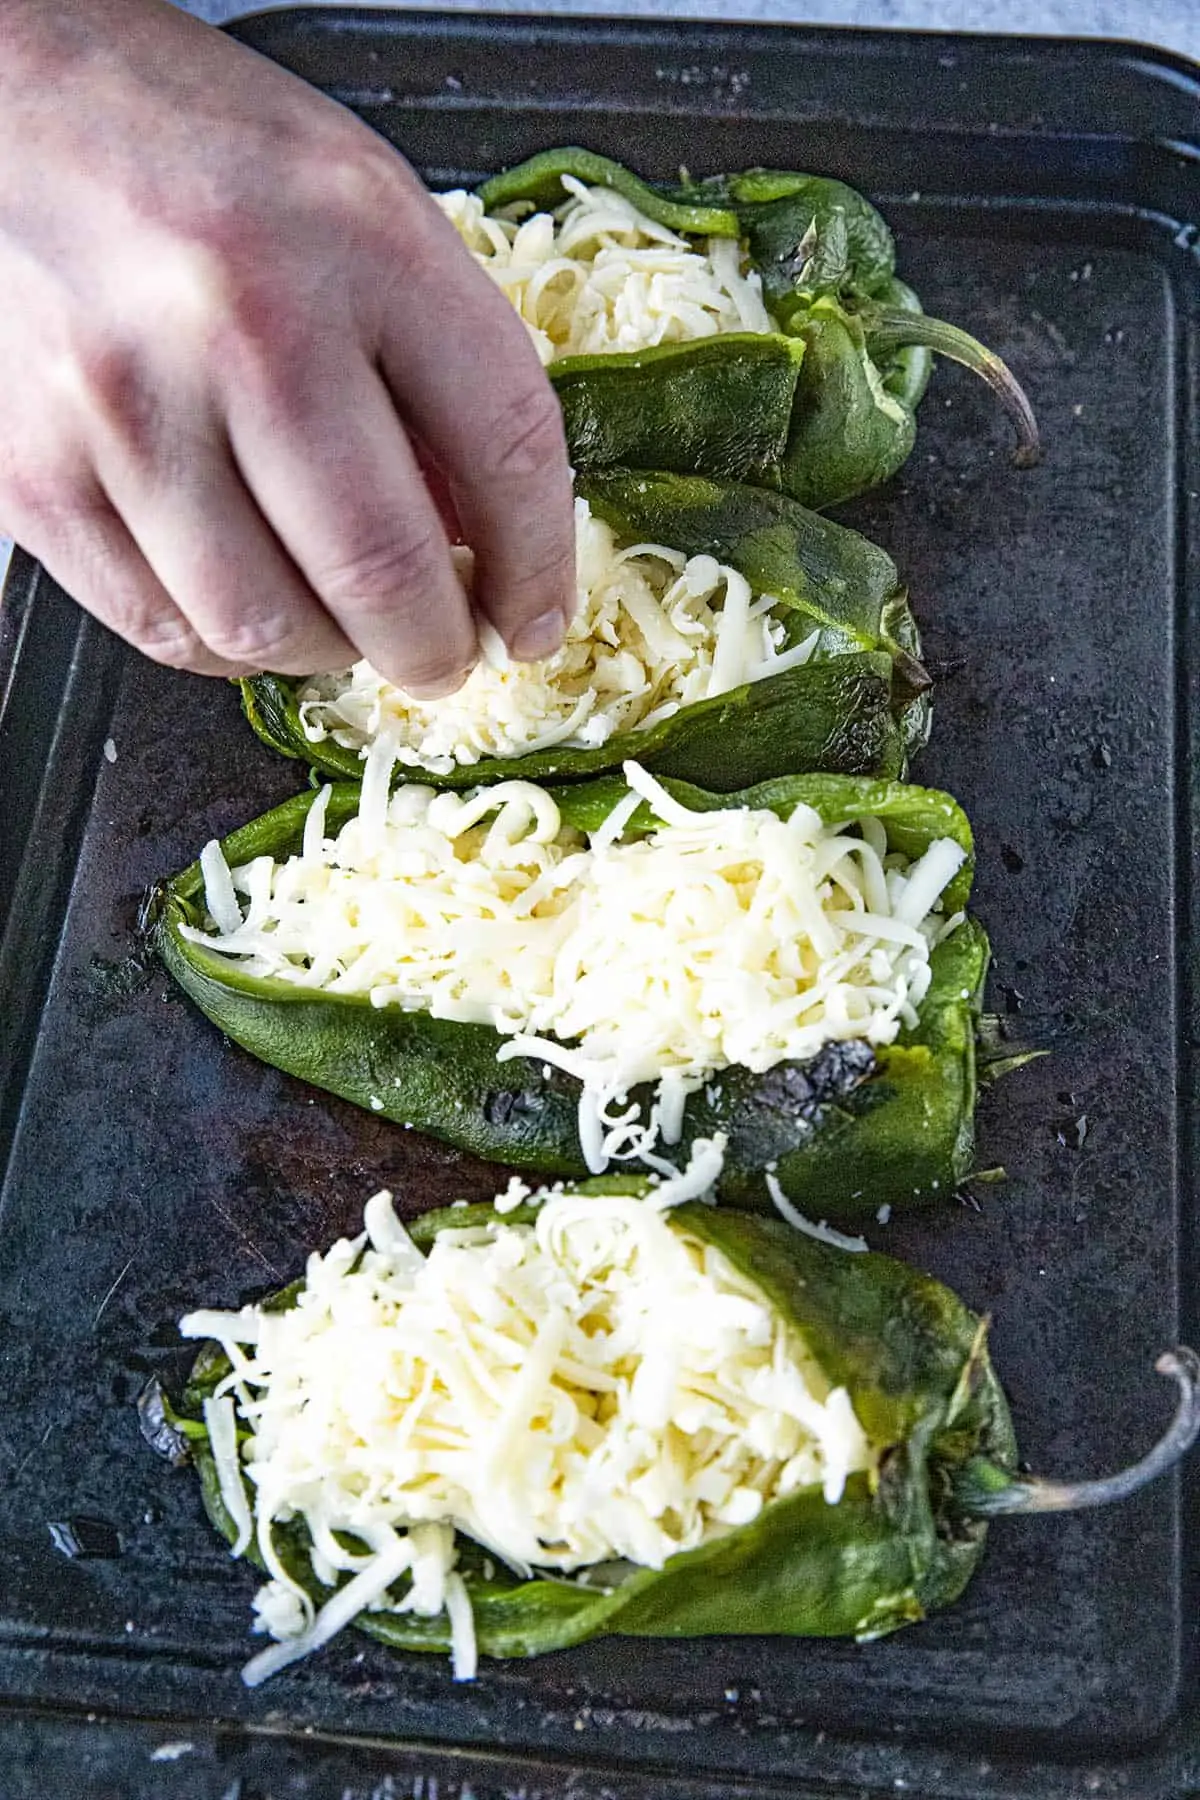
(1043, 194)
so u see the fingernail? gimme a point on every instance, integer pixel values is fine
(541, 637)
(436, 690)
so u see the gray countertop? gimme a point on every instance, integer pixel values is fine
(1173, 23)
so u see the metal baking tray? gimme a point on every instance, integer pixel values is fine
(1046, 195)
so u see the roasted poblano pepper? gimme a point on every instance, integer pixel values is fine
(859, 706)
(847, 1129)
(824, 408)
(903, 1540)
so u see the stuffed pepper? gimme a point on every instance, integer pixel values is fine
(605, 1410)
(562, 978)
(746, 326)
(723, 634)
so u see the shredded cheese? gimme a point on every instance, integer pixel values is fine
(592, 1387)
(824, 1234)
(598, 276)
(221, 1426)
(654, 631)
(724, 937)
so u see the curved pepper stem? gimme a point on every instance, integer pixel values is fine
(895, 328)
(985, 1490)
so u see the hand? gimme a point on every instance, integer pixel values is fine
(229, 310)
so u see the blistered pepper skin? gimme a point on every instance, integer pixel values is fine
(826, 260)
(893, 1549)
(843, 1132)
(853, 709)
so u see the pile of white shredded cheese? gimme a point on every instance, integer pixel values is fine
(654, 630)
(726, 937)
(598, 276)
(589, 1388)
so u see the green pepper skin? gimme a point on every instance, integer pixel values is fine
(849, 432)
(827, 263)
(537, 182)
(832, 715)
(860, 707)
(894, 1548)
(824, 574)
(809, 236)
(843, 1132)
(723, 405)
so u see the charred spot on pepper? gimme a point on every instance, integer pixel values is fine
(159, 1426)
(506, 1106)
(801, 1090)
(765, 1116)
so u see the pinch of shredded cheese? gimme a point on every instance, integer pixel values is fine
(598, 276)
(653, 631)
(724, 937)
(587, 1388)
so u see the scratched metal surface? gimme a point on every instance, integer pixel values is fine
(147, 1165)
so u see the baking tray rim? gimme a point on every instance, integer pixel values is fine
(1178, 68)
(25, 572)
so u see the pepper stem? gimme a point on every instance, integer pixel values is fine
(910, 673)
(985, 1490)
(892, 329)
